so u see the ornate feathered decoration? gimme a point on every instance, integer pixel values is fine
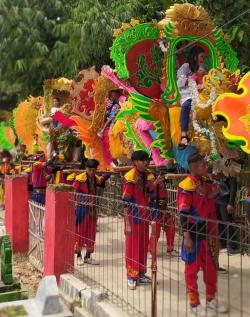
(25, 117)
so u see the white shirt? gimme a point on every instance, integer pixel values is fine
(182, 82)
(54, 110)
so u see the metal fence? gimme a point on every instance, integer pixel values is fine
(167, 294)
(1, 193)
(36, 234)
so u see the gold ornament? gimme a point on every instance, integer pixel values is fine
(131, 119)
(188, 19)
(102, 88)
(125, 26)
(25, 117)
(59, 85)
(77, 88)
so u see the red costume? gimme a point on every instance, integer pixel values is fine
(39, 171)
(137, 192)
(196, 209)
(38, 175)
(86, 211)
(163, 219)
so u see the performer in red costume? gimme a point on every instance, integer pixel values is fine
(86, 211)
(196, 205)
(39, 173)
(163, 219)
(138, 187)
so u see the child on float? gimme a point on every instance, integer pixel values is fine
(55, 108)
(112, 110)
(198, 77)
(194, 67)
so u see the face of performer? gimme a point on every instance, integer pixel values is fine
(199, 169)
(23, 148)
(42, 158)
(141, 165)
(56, 103)
(91, 172)
(201, 58)
(114, 96)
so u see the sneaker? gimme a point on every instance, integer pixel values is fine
(201, 311)
(79, 260)
(144, 279)
(172, 252)
(223, 250)
(91, 261)
(222, 270)
(131, 284)
(231, 251)
(216, 307)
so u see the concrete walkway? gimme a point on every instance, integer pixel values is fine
(110, 275)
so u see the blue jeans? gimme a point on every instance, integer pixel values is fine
(185, 111)
(54, 124)
(38, 198)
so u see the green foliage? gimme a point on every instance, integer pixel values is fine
(153, 10)
(13, 311)
(52, 38)
(90, 31)
(26, 45)
(4, 143)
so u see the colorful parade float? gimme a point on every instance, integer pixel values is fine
(139, 103)
(147, 59)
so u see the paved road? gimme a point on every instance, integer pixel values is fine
(233, 288)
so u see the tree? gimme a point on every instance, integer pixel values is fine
(51, 38)
(26, 45)
(90, 28)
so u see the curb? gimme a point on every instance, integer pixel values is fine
(93, 301)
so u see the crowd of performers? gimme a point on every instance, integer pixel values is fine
(200, 200)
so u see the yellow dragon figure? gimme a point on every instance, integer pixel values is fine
(25, 118)
(121, 143)
(216, 82)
